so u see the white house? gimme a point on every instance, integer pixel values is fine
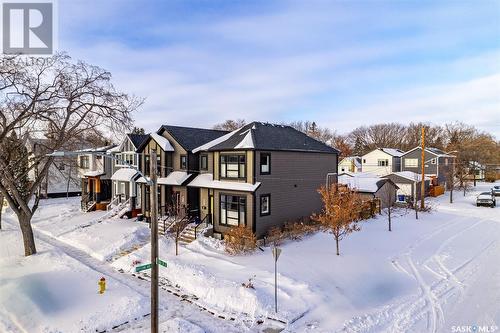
(382, 161)
(350, 164)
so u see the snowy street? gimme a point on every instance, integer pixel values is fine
(435, 274)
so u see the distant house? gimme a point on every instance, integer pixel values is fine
(382, 161)
(372, 187)
(476, 171)
(350, 164)
(409, 185)
(62, 178)
(437, 164)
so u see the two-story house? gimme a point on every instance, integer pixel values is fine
(95, 171)
(125, 166)
(260, 176)
(438, 164)
(177, 164)
(382, 161)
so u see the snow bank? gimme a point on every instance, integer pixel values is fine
(109, 238)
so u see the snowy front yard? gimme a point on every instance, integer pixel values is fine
(427, 275)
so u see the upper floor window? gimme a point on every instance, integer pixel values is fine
(183, 161)
(146, 165)
(204, 162)
(411, 162)
(446, 161)
(84, 162)
(364, 160)
(383, 162)
(265, 164)
(232, 166)
(433, 161)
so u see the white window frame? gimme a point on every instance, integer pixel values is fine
(414, 163)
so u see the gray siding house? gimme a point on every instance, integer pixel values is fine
(262, 175)
(438, 164)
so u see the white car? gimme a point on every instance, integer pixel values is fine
(496, 190)
(486, 199)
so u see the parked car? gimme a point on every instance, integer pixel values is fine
(486, 199)
(496, 190)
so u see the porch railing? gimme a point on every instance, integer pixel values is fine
(207, 219)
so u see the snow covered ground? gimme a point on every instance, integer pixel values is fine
(436, 274)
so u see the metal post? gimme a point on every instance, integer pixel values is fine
(422, 181)
(154, 242)
(276, 286)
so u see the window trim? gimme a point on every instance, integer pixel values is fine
(180, 165)
(268, 196)
(406, 165)
(202, 156)
(239, 205)
(260, 164)
(381, 162)
(85, 165)
(239, 166)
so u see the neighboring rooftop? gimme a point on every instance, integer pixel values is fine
(189, 137)
(363, 184)
(393, 151)
(410, 175)
(266, 136)
(137, 139)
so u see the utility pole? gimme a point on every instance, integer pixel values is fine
(422, 180)
(153, 197)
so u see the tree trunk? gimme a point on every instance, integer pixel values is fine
(337, 243)
(1, 209)
(416, 209)
(451, 194)
(27, 232)
(389, 214)
(177, 246)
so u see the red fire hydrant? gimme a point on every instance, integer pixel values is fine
(102, 285)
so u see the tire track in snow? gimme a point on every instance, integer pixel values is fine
(401, 316)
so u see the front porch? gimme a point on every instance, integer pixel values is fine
(96, 193)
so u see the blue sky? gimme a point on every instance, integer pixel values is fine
(341, 63)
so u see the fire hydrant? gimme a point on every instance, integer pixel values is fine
(102, 285)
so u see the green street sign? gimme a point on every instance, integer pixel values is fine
(143, 267)
(161, 262)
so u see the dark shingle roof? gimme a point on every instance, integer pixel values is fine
(265, 136)
(190, 138)
(137, 139)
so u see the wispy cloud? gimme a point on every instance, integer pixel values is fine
(345, 64)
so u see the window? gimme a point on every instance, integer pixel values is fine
(383, 162)
(158, 165)
(61, 167)
(342, 169)
(183, 161)
(265, 204)
(433, 161)
(411, 162)
(232, 210)
(146, 165)
(84, 162)
(364, 160)
(446, 161)
(232, 166)
(265, 163)
(204, 162)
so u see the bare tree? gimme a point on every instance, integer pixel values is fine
(179, 221)
(2, 200)
(58, 99)
(341, 211)
(230, 125)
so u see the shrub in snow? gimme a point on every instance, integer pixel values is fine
(240, 240)
(249, 284)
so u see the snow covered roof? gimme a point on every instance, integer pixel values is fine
(162, 142)
(124, 174)
(143, 180)
(358, 174)
(410, 175)
(352, 159)
(266, 136)
(393, 151)
(363, 184)
(434, 151)
(206, 180)
(94, 173)
(96, 150)
(174, 178)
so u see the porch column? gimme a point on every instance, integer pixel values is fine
(97, 189)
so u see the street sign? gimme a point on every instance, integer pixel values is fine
(161, 262)
(143, 267)
(276, 253)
